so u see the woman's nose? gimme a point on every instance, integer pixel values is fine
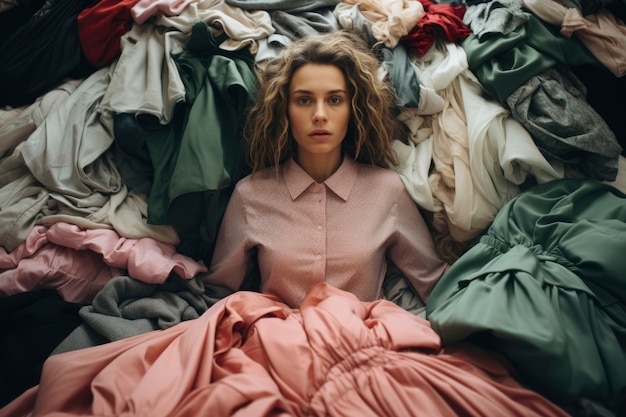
(320, 114)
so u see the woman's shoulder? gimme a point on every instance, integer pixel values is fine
(258, 181)
(377, 176)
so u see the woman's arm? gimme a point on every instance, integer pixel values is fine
(412, 248)
(232, 259)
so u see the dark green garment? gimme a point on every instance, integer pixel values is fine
(199, 158)
(546, 286)
(505, 62)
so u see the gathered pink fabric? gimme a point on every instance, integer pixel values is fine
(77, 262)
(252, 355)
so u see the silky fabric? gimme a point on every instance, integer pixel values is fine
(251, 355)
(545, 286)
(503, 63)
(100, 28)
(442, 21)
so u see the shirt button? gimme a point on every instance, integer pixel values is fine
(319, 228)
(319, 256)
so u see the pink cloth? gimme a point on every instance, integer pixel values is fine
(77, 263)
(145, 9)
(251, 355)
(341, 232)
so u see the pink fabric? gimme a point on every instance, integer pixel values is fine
(144, 9)
(251, 355)
(341, 232)
(77, 263)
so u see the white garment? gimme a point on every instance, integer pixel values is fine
(480, 154)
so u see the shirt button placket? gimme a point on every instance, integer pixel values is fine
(321, 238)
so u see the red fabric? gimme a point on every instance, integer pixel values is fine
(100, 28)
(441, 20)
(251, 355)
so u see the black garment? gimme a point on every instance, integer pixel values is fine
(20, 14)
(605, 93)
(39, 54)
(32, 324)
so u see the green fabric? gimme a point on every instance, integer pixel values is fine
(198, 160)
(546, 286)
(504, 63)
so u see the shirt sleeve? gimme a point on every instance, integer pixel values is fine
(412, 248)
(232, 257)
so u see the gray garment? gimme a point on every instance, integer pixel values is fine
(127, 307)
(552, 107)
(60, 167)
(299, 25)
(402, 75)
(291, 6)
(495, 17)
(398, 290)
(271, 47)
(19, 128)
(64, 171)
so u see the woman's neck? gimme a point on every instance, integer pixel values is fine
(319, 167)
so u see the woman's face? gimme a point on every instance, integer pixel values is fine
(319, 111)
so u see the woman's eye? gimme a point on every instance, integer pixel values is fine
(335, 100)
(303, 100)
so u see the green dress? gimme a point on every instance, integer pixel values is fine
(546, 286)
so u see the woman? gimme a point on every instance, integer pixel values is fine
(319, 205)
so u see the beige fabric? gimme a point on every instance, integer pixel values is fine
(24, 122)
(63, 169)
(480, 153)
(243, 27)
(391, 19)
(602, 33)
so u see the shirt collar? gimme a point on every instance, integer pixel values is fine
(341, 182)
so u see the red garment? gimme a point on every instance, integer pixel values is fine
(100, 28)
(251, 355)
(441, 20)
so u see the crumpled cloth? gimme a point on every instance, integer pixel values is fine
(251, 355)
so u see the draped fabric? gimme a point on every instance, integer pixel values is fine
(251, 355)
(546, 287)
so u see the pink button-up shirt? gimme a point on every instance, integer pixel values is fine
(341, 231)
